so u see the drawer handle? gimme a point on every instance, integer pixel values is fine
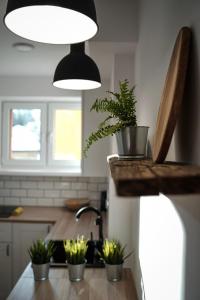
(8, 250)
(48, 228)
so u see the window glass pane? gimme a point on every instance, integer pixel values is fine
(67, 135)
(25, 132)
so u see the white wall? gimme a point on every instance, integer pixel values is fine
(123, 212)
(96, 162)
(169, 255)
(31, 86)
(17, 86)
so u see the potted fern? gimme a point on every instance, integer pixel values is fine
(40, 253)
(75, 254)
(113, 257)
(121, 110)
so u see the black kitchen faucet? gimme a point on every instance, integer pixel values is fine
(99, 219)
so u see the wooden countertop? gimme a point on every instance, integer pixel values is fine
(38, 214)
(95, 286)
(65, 225)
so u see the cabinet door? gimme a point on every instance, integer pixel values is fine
(5, 232)
(5, 269)
(23, 236)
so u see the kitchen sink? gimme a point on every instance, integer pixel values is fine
(92, 255)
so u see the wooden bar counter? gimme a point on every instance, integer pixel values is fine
(95, 286)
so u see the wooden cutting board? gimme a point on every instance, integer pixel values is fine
(172, 96)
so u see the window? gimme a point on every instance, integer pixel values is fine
(65, 144)
(42, 135)
(26, 123)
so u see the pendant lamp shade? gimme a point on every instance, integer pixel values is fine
(77, 71)
(52, 21)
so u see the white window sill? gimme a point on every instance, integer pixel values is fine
(41, 172)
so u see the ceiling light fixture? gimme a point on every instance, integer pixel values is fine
(77, 71)
(52, 21)
(23, 47)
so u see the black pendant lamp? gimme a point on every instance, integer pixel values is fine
(52, 21)
(77, 71)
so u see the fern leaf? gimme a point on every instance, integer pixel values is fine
(121, 107)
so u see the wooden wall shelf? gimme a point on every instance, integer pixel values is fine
(144, 177)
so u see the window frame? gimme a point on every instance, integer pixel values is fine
(51, 109)
(46, 164)
(6, 161)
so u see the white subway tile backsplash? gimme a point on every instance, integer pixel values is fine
(51, 194)
(12, 184)
(59, 202)
(29, 201)
(62, 185)
(45, 185)
(102, 186)
(49, 191)
(46, 202)
(94, 195)
(12, 201)
(83, 179)
(34, 178)
(4, 192)
(69, 194)
(83, 194)
(68, 179)
(18, 193)
(79, 186)
(29, 184)
(93, 187)
(98, 179)
(35, 193)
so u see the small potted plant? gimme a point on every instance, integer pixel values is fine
(113, 257)
(121, 109)
(40, 253)
(75, 257)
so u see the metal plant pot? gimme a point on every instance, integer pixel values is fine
(132, 141)
(76, 272)
(114, 272)
(41, 272)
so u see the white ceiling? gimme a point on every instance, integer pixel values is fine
(117, 21)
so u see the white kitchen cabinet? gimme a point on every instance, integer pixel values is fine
(5, 259)
(23, 236)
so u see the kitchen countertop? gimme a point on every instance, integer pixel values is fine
(58, 287)
(95, 286)
(38, 214)
(65, 225)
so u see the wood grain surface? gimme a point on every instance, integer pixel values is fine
(144, 177)
(94, 286)
(133, 178)
(172, 96)
(65, 225)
